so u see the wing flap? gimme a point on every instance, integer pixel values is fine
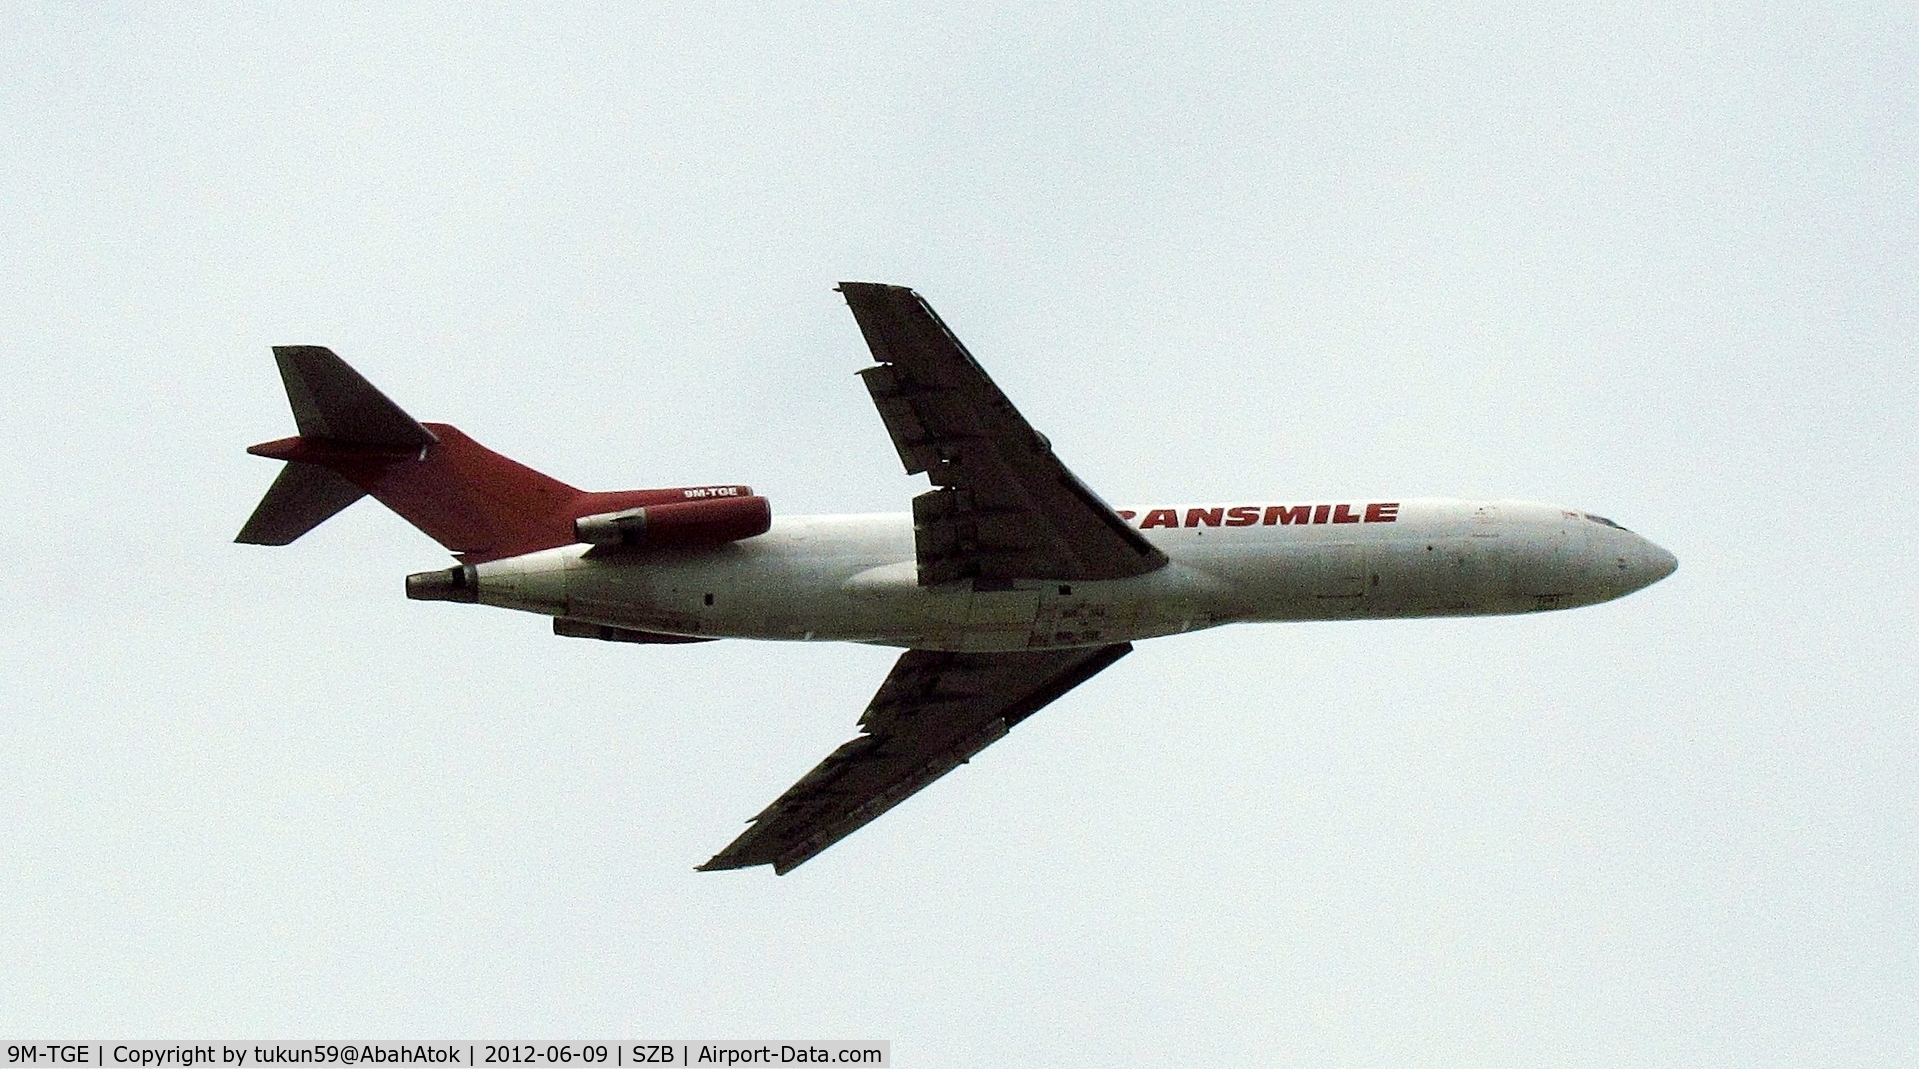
(932, 714)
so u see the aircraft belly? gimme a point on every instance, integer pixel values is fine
(719, 598)
(1293, 575)
(783, 585)
(1285, 577)
(1032, 614)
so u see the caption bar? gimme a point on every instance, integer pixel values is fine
(267, 1055)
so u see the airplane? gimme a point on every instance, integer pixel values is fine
(1009, 583)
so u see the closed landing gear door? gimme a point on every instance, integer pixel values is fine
(1000, 619)
(1067, 618)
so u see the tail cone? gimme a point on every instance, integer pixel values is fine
(454, 584)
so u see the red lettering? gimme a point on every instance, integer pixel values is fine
(1382, 512)
(1160, 518)
(1210, 517)
(1320, 513)
(1243, 516)
(1282, 514)
(1344, 514)
(1127, 514)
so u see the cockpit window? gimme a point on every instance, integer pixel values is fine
(1604, 520)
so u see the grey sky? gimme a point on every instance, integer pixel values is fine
(1655, 262)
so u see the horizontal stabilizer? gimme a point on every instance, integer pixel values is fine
(332, 402)
(302, 498)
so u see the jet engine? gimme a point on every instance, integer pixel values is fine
(678, 524)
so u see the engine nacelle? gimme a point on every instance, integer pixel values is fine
(678, 524)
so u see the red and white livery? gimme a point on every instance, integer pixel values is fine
(1009, 583)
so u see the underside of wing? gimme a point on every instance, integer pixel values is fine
(934, 712)
(1004, 507)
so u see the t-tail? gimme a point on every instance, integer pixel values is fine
(482, 506)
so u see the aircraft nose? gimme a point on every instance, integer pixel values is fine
(1654, 563)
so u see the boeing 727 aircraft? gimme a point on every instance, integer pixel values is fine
(1009, 584)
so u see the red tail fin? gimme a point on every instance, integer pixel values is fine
(468, 498)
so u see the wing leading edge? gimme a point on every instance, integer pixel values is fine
(932, 714)
(1003, 507)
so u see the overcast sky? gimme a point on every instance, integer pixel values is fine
(1655, 262)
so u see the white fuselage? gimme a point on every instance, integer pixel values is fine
(854, 578)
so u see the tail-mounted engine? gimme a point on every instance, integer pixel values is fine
(671, 524)
(678, 524)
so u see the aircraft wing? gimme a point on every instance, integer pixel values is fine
(934, 712)
(1004, 507)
